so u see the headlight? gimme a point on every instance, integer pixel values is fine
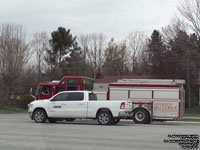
(30, 105)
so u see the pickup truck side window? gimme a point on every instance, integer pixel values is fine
(61, 97)
(75, 96)
(92, 97)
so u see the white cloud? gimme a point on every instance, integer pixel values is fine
(112, 17)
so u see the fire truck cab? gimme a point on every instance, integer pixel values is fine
(46, 90)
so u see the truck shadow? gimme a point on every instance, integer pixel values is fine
(121, 123)
(87, 122)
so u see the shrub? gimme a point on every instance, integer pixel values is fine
(24, 100)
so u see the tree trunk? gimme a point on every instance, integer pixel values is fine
(59, 61)
(39, 69)
(188, 84)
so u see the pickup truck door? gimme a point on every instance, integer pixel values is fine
(75, 105)
(57, 106)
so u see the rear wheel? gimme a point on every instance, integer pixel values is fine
(141, 116)
(39, 116)
(104, 118)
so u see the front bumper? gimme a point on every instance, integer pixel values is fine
(30, 113)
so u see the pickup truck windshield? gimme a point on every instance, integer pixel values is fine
(38, 90)
(92, 97)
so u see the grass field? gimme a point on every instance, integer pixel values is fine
(9, 110)
(190, 120)
(192, 111)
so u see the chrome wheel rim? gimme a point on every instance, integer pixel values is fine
(39, 116)
(139, 116)
(104, 118)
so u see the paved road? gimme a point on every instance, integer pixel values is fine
(18, 132)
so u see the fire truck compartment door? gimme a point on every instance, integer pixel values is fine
(165, 109)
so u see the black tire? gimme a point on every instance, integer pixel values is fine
(70, 119)
(104, 117)
(115, 121)
(141, 116)
(52, 120)
(39, 116)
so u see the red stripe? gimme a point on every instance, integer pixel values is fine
(142, 103)
(179, 111)
(152, 94)
(143, 85)
(160, 99)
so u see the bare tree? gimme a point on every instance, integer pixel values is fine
(83, 41)
(116, 59)
(92, 46)
(135, 45)
(169, 32)
(14, 55)
(40, 43)
(96, 52)
(190, 10)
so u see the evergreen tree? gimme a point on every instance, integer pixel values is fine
(61, 45)
(76, 63)
(184, 53)
(156, 53)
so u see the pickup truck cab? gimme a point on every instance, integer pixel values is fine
(70, 105)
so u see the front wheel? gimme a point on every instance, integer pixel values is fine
(39, 116)
(104, 118)
(141, 116)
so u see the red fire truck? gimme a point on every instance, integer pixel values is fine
(152, 99)
(68, 83)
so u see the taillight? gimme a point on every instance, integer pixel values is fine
(122, 105)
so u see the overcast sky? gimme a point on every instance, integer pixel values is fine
(114, 18)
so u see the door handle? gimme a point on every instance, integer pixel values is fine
(80, 104)
(63, 104)
(57, 106)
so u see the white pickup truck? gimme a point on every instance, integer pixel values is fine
(70, 105)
